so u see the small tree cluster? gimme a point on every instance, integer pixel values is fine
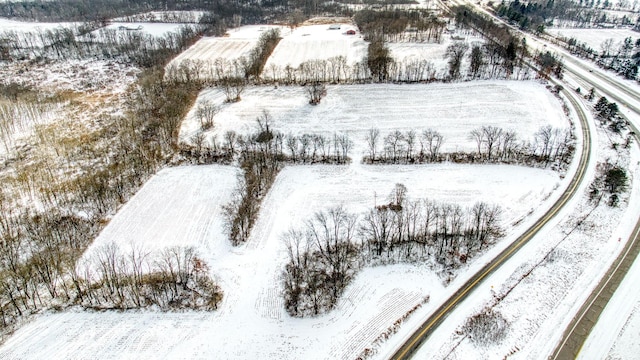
(399, 147)
(610, 180)
(259, 55)
(315, 92)
(322, 260)
(318, 148)
(405, 230)
(549, 64)
(260, 157)
(206, 112)
(493, 145)
(608, 114)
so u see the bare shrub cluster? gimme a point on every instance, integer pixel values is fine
(486, 327)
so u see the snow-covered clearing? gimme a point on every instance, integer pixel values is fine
(182, 206)
(452, 109)
(595, 37)
(435, 53)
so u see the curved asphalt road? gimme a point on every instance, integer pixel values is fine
(430, 324)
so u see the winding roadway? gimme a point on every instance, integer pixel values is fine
(409, 347)
(578, 330)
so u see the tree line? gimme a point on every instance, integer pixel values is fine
(174, 278)
(334, 245)
(261, 156)
(550, 146)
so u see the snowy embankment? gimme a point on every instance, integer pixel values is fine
(182, 206)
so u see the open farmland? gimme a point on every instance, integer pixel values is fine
(593, 38)
(452, 109)
(183, 203)
(211, 50)
(315, 42)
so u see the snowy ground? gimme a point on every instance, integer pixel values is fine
(181, 206)
(452, 109)
(595, 37)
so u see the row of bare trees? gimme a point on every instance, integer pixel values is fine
(494, 145)
(174, 278)
(261, 156)
(334, 244)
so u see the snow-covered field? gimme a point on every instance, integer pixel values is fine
(181, 206)
(595, 37)
(317, 42)
(29, 26)
(209, 50)
(452, 109)
(155, 29)
(435, 53)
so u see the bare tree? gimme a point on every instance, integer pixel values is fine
(332, 233)
(205, 112)
(477, 61)
(455, 53)
(410, 139)
(315, 92)
(372, 141)
(393, 144)
(432, 140)
(478, 136)
(492, 137)
(233, 87)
